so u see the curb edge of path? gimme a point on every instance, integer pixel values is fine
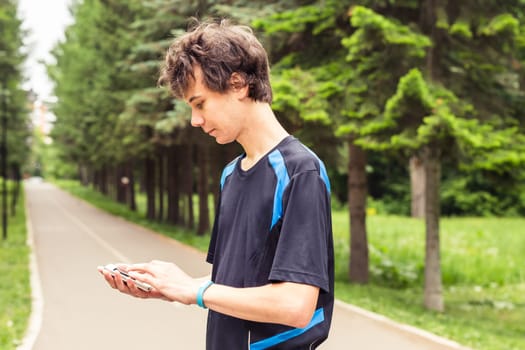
(37, 298)
(401, 327)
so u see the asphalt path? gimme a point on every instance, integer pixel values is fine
(74, 309)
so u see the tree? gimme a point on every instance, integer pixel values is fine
(309, 36)
(89, 81)
(118, 122)
(14, 99)
(357, 70)
(484, 39)
(433, 115)
(385, 46)
(379, 52)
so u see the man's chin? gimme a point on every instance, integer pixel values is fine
(223, 141)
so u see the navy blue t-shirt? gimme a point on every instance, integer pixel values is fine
(273, 224)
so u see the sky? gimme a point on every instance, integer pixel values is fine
(46, 21)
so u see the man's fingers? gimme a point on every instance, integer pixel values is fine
(142, 268)
(107, 276)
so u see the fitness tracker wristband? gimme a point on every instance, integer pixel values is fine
(200, 293)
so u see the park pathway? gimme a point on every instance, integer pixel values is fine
(74, 309)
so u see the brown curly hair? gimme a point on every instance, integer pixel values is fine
(220, 49)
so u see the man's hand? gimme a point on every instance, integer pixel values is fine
(167, 279)
(115, 281)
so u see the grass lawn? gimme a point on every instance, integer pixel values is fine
(484, 282)
(15, 293)
(482, 267)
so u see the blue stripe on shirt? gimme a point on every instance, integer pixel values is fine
(322, 170)
(317, 318)
(227, 171)
(279, 167)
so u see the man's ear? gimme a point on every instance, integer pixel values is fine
(238, 84)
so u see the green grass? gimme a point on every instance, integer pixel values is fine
(484, 282)
(15, 293)
(482, 267)
(471, 318)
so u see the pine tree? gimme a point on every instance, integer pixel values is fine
(14, 101)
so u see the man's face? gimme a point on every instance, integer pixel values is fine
(217, 114)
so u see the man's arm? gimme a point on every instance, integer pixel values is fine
(287, 303)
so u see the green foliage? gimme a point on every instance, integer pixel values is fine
(461, 29)
(390, 274)
(411, 101)
(339, 69)
(299, 19)
(372, 26)
(377, 79)
(501, 24)
(150, 113)
(394, 202)
(420, 114)
(297, 90)
(457, 199)
(13, 100)
(483, 193)
(15, 293)
(489, 318)
(411, 88)
(47, 160)
(89, 79)
(469, 245)
(377, 43)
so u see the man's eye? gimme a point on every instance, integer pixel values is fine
(199, 105)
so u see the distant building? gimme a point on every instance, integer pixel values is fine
(41, 118)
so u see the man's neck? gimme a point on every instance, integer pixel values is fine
(262, 133)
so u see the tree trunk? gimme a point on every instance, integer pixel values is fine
(160, 213)
(104, 181)
(83, 174)
(95, 182)
(433, 299)
(121, 183)
(357, 192)
(17, 175)
(189, 186)
(417, 187)
(149, 184)
(172, 183)
(203, 189)
(131, 186)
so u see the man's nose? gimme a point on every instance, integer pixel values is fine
(196, 119)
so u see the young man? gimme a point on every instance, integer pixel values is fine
(271, 245)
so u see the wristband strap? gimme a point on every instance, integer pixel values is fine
(200, 293)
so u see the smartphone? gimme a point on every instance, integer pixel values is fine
(114, 269)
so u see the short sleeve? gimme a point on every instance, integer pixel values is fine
(302, 251)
